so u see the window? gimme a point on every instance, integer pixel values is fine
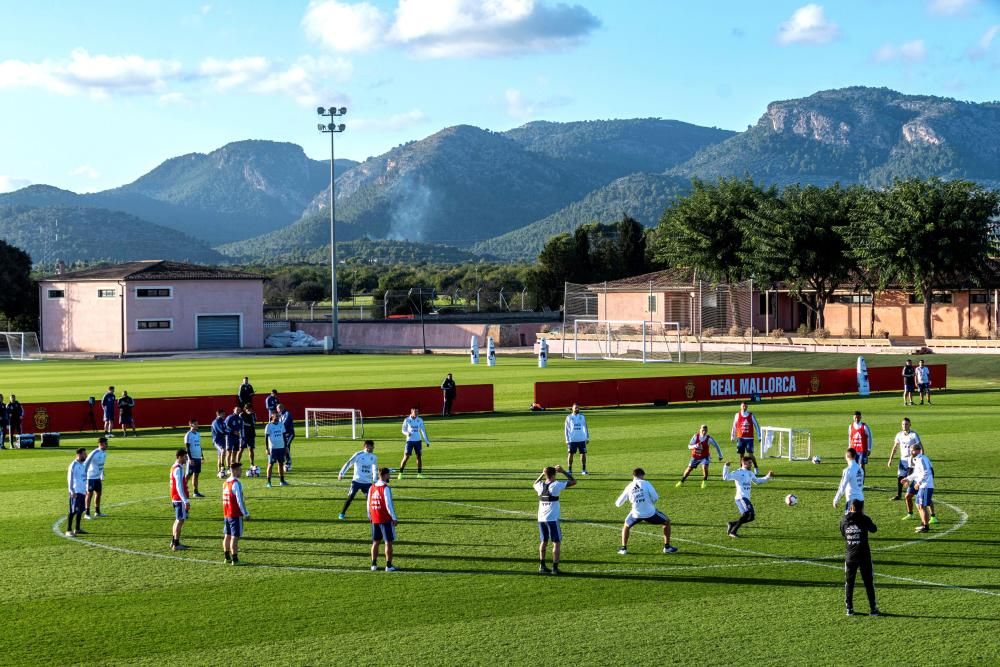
(56, 293)
(769, 306)
(936, 297)
(652, 303)
(155, 292)
(981, 297)
(154, 325)
(106, 293)
(851, 298)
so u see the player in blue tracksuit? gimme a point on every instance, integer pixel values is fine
(285, 419)
(271, 403)
(219, 433)
(234, 437)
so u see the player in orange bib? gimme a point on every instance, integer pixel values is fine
(700, 446)
(234, 511)
(383, 517)
(745, 427)
(180, 497)
(859, 438)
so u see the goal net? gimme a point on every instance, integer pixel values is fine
(794, 444)
(345, 423)
(626, 340)
(20, 345)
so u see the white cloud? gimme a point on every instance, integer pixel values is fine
(87, 171)
(451, 28)
(520, 107)
(808, 25)
(909, 52)
(400, 121)
(984, 43)
(227, 74)
(309, 81)
(10, 183)
(99, 75)
(949, 7)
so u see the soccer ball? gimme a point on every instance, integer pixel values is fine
(253, 471)
(817, 459)
(791, 499)
(222, 474)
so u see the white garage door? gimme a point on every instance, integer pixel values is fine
(218, 332)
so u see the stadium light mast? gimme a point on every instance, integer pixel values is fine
(332, 128)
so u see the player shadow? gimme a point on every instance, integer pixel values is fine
(928, 564)
(940, 617)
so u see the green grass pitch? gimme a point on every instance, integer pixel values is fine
(468, 591)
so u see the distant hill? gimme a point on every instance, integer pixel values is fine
(860, 135)
(383, 251)
(51, 233)
(641, 196)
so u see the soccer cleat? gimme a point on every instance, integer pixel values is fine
(374, 568)
(236, 561)
(399, 476)
(555, 570)
(101, 515)
(391, 568)
(543, 570)
(678, 485)
(341, 516)
(584, 472)
(730, 525)
(850, 612)
(875, 612)
(82, 532)
(921, 529)
(623, 551)
(179, 547)
(907, 517)
(704, 483)
(87, 517)
(69, 533)
(934, 519)
(284, 483)
(669, 549)
(268, 485)
(288, 468)
(199, 495)
(420, 475)
(895, 498)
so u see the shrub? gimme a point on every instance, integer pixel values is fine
(882, 333)
(971, 333)
(850, 332)
(802, 331)
(777, 333)
(751, 332)
(708, 332)
(821, 333)
(735, 330)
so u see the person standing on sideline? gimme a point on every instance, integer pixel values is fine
(643, 497)
(905, 440)
(416, 436)
(180, 499)
(76, 479)
(382, 514)
(922, 479)
(859, 438)
(288, 422)
(923, 374)
(249, 440)
(234, 511)
(744, 478)
(700, 455)
(450, 390)
(192, 444)
(4, 421)
(365, 474)
(745, 427)
(245, 394)
(577, 437)
(852, 482)
(15, 413)
(271, 402)
(548, 490)
(108, 403)
(126, 417)
(855, 527)
(274, 442)
(94, 466)
(234, 435)
(219, 437)
(909, 382)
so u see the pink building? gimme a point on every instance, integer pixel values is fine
(149, 306)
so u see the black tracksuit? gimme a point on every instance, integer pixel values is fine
(855, 527)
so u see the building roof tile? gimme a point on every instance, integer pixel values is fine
(153, 270)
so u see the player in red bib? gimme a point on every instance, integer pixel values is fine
(234, 511)
(745, 427)
(700, 445)
(859, 438)
(383, 517)
(180, 497)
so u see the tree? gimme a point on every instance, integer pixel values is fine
(631, 246)
(931, 234)
(19, 296)
(311, 290)
(557, 264)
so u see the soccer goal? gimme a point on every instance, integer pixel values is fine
(794, 444)
(346, 423)
(20, 345)
(627, 340)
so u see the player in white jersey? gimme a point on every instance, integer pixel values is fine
(745, 477)
(922, 479)
(904, 441)
(275, 444)
(643, 497)
(548, 490)
(924, 381)
(365, 474)
(577, 436)
(416, 436)
(76, 480)
(94, 466)
(852, 483)
(699, 446)
(192, 443)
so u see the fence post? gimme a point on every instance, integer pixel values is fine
(287, 304)
(385, 304)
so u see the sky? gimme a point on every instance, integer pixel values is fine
(96, 94)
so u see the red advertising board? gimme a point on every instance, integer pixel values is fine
(68, 416)
(722, 387)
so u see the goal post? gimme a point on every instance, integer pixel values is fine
(343, 423)
(20, 345)
(626, 340)
(794, 444)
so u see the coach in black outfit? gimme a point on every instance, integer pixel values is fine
(15, 413)
(450, 390)
(245, 394)
(3, 421)
(855, 527)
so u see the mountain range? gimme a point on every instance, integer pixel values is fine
(502, 194)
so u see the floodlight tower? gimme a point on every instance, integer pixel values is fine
(332, 129)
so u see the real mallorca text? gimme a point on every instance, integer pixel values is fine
(765, 385)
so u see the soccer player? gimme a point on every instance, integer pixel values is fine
(15, 413)
(94, 466)
(855, 527)
(382, 514)
(126, 404)
(643, 497)
(909, 382)
(219, 436)
(4, 422)
(922, 479)
(859, 438)
(76, 479)
(234, 511)
(548, 490)
(192, 444)
(180, 499)
(450, 390)
(249, 440)
(271, 402)
(274, 442)
(577, 437)
(365, 473)
(700, 455)
(924, 381)
(744, 478)
(745, 426)
(416, 435)
(234, 435)
(852, 482)
(108, 403)
(288, 422)
(904, 440)
(245, 394)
